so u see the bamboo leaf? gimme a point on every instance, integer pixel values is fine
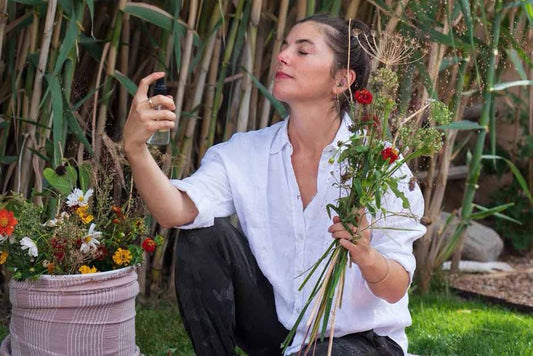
(8, 159)
(68, 42)
(505, 85)
(126, 82)
(76, 129)
(31, 2)
(85, 176)
(490, 211)
(275, 102)
(513, 55)
(461, 125)
(516, 173)
(90, 5)
(57, 113)
(153, 15)
(67, 6)
(518, 3)
(494, 211)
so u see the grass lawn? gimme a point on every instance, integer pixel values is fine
(442, 325)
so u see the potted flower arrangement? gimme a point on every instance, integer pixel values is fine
(383, 140)
(73, 278)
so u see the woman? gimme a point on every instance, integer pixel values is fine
(242, 288)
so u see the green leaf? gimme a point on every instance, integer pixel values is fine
(85, 176)
(275, 102)
(61, 183)
(502, 86)
(152, 14)
(8, 159)
(461, 125)
(90, 5)
(72, 175)
(31, 2)
(520, 179)
(490, 211)
(513, 55)
(494, 211)
(76, 129)
(57, 112)
(67, 43)
(126, 82)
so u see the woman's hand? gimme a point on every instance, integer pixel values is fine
(361, 252)
(143, 119)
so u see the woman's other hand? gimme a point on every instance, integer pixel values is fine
(143, 118)
(361, 252)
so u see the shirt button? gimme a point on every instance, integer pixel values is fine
(298, 197)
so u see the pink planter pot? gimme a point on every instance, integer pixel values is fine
(74, 315)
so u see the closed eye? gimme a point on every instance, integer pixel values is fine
(303, 53)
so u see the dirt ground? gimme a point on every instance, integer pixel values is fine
(513, 287)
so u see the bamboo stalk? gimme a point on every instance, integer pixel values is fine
(282, 19)
(427, 248)
(353, 8)
(250, 50)
(3, 22)
(186, 59)
(220, 81)
(124, 68)
(24, 171)
(457, 238)
(209, 97)
(301, 9)
(115, 31)
(186, 144)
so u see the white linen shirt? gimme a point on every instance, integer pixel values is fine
(252, 175)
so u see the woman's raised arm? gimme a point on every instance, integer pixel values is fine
(169, 206)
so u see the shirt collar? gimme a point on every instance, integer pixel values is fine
(282, 136)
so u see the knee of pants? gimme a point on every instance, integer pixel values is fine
(203, 241)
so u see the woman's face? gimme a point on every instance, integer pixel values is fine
(304, 66)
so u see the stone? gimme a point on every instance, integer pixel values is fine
(482, 243)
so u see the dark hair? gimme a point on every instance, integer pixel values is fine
(337, 33)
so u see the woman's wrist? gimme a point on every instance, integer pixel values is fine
(375, 267)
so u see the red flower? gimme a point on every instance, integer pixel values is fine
(390, 153)
(363, 96)
(148, 245)
(7, 222)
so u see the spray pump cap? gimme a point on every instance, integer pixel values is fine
(160, 88)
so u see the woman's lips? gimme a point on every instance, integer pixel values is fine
(281, 75)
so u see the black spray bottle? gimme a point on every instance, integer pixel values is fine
(160, 137)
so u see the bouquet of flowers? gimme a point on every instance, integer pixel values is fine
(85, 231)
(382, 141)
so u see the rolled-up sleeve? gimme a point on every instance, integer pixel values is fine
(209, 189)
(393, 233)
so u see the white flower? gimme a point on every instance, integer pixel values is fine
(28, 244)
(91, 239)
(77, 198)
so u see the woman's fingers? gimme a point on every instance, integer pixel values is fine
(162, 101)
(142, 90)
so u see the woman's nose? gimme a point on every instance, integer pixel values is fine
(283, 57)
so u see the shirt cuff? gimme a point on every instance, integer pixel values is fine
(205, 216)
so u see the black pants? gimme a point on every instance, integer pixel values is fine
(225, 300)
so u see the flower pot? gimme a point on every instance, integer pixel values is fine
(74, 315)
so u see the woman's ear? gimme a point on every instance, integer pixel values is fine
(343, 80)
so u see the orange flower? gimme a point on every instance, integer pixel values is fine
(3, 257)
(7, 222)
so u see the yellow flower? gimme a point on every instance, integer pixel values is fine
(122, 256)
(84, 215)
(86, 269)
(3, 257)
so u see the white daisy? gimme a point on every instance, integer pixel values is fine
(28, 244)
(77, 198)
(90, 240)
